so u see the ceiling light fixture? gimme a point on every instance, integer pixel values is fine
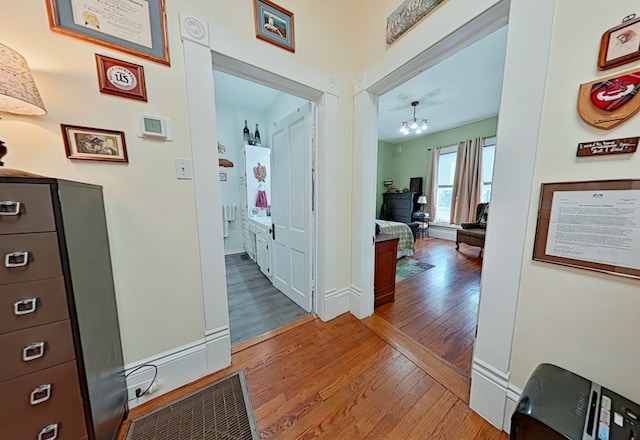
(418, 125)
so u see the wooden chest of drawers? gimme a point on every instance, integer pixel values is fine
(384, 285)
(59, 334)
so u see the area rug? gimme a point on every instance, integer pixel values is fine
(408, 267)
(218, 411)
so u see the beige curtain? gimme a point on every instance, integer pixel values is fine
(467, 183)
(432, 184)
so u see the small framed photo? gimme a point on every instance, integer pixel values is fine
(223, 177)
(274, 24)
(121, 78)
(620, 45)
(87, 143)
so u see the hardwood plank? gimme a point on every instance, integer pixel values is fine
(270, 334)
(438, 308)
(358, 386)
(435, 366)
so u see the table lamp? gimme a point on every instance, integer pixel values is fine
(422, 200)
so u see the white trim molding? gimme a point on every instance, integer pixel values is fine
(194, 29)
(176, 368)
(489, 389)
(336, 302)
(513, 396)
(218, 346)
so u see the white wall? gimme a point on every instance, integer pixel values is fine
(151, 215)
(230, 122)
(580, 320)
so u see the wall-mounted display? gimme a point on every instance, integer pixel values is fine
(608, 102)
(621, 44)
(121, 78)
(274, 24)
(605, 147)
(408, 14)
(591, 225)
(223, 177)
(135, 27)
(94, 143)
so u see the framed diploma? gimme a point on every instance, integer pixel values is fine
(135, 27)
(591, 225)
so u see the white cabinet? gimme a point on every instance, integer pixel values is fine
(263, 245)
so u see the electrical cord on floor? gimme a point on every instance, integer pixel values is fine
(139, 392)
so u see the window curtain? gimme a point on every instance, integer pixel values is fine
(432, 184)
(467, 184)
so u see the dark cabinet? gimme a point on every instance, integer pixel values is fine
(384, 285)
(62, 375)
(400, 206)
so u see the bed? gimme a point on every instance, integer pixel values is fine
(406, 244)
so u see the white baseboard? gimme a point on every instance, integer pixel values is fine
(513, 396)
(218, 347)
(489, 392)
(356, 303)
(442, 233)
(176, 368)
(336, 303)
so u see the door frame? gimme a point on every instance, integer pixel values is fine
(207, 48)
(492, 395)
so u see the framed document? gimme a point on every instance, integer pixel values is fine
(591, 225)
(135, 27)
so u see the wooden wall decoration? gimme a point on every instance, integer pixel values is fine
(608, 102)
(609, 146)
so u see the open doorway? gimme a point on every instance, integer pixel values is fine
(264, 290)
(437, 286)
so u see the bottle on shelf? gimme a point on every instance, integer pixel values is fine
(245, 133)
(256, 136)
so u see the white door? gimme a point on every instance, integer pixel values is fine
(291, 193)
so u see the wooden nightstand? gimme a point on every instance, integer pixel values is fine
(384, 286)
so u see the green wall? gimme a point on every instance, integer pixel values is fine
(405, 160)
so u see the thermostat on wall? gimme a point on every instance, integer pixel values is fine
(154, 127)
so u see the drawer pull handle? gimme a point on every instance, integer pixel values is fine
(25, 306)
(33, 351)
(9, 207)
(49, 432)
(16, 259)
(40, 394)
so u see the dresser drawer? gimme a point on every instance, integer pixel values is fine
(33, 303)
(42, 347)
(25, 208)
(27, 257)
(47, 398)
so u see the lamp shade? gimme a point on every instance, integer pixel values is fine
(422, 200)
(18, 91)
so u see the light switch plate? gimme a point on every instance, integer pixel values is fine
(183, 169)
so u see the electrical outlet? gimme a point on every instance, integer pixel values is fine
(154, 387)
(183, 169)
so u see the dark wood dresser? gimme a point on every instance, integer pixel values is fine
(61, 374)
(384, 284)
(400, 206)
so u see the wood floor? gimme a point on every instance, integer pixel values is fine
(255, 306)
(340, 380)
(438, 308)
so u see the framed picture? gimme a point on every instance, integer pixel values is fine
(590, 225)
(223, 177)
(620, 45)
(274, 24)
(121, 78)
(87, 143)
(135, 27)
(406, 15)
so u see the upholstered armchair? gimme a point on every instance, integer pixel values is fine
(473, 233)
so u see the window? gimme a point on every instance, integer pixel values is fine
(446, 174)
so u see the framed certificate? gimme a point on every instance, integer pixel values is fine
(592, 225)
(138, 28)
